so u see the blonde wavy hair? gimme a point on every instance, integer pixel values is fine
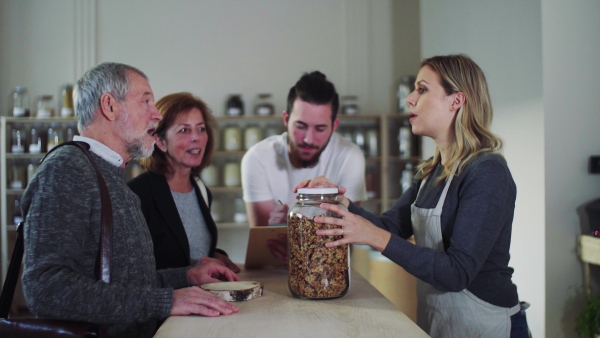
(458, 73)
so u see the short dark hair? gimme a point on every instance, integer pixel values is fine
(316, 89)
(170, 107)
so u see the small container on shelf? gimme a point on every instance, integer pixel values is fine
(66, 100)
(70, 132)
(17, 176)
(55, 136)
(359, 139)
(210, 175)
(19, 102)
(404, 140)
(239, 213)
(17, 215)
(407, 177)
(232, 138)
(234, 105)
(252, 135)
(232, 174)
(350, 105)
(372, 142)
(263, 105)
(315, 271)
(45, 106)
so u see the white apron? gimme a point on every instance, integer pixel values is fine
(452, 314)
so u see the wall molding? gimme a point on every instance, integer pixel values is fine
(85, 36)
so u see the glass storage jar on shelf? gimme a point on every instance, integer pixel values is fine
(19, 102)
(234, 105)
(45, 106)
(315, 271)
(263, 105)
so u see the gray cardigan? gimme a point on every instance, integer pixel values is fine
(476, 229)
(62, 235)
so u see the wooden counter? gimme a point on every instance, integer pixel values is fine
(363, 312)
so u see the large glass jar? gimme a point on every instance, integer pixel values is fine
(315, 271)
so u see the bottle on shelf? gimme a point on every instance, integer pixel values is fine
(16, 212)
(55, 136)
(36, 145)
(407, 177)
(404, 140)
(234, 105)
(263, 105)
(66, 99)
(16, 176)
(19, 102)
(359, 139)
(18, 139)
(372, 142)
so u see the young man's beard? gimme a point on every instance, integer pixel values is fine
(298, 162)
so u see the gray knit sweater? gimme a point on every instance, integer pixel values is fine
(62, 236)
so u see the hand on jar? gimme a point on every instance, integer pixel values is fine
(322, 181)
(354, 229)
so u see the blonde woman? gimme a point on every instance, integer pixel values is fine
(459, 208)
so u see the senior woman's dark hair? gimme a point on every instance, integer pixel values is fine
(171, 107)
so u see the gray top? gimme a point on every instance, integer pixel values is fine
(195, 226)
(62, 236)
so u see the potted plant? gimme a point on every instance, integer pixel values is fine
(587, 324)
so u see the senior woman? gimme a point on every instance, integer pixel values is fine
(175, 202)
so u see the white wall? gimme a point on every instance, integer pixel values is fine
(211, 48)
(571, 45)
(505, 39)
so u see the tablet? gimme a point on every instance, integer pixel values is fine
(258, 254)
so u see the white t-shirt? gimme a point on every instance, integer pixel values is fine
(268, 174)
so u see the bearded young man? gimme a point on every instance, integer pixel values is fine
(309, 148)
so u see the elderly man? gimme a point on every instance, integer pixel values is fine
(116, 117)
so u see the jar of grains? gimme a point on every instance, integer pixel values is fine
(315, 271)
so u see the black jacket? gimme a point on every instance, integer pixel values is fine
(171, 246)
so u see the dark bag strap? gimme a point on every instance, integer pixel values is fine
(105, 253)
